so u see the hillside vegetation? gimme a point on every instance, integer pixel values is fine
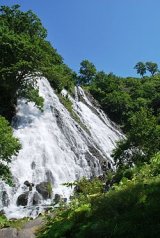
(125, 202)
(129, 209)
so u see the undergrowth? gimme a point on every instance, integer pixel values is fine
(131, 209)
(17, 223)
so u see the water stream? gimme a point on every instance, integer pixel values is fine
(56, 149)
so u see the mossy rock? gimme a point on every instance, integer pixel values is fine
(45, 189)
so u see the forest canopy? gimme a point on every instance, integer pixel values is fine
(25, 52)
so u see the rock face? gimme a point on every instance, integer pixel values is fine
(8, 233)
(57, 198)
(14, 233)
(36, 199)
(44, 189)
(22, 200)
(5, 199)
(27, 231)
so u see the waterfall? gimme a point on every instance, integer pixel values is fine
(56, 149)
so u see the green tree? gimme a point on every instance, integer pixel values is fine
(24, 52)
(142, 140)
(22, 22)
(152, 67)
(117, 104)
(87, 72)
(9, 146)
(141, 68)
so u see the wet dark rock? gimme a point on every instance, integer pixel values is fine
(109, 165)
(64, 200)
(22, 200)
(92, 99)
(101, 177)
(49, 176)
(90, 162)
(45, 189)
(5, 199)
(67, 133)
(28, 184)
(106, 187)
(33, 165)
(88, 157)
(77, 189)
(2, 212)
(104, 166)
(36, 199)
(94, 151)
(58, 119)
(57, 198)
(57, 115)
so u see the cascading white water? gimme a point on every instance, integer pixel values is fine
(55, 148)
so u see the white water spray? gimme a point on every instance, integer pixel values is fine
(55, 148)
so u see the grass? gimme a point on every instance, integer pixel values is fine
(18, 223)
(3, 221)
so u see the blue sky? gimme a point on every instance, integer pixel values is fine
(113, 34)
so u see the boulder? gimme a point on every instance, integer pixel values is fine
(8, 233)
(22, 200)
(29, 185)
(45, 189)
(26, 233)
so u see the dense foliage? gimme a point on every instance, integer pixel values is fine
(8, 146)
(87, 72)
(25, 52)
(134, 104)
(129, 210)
